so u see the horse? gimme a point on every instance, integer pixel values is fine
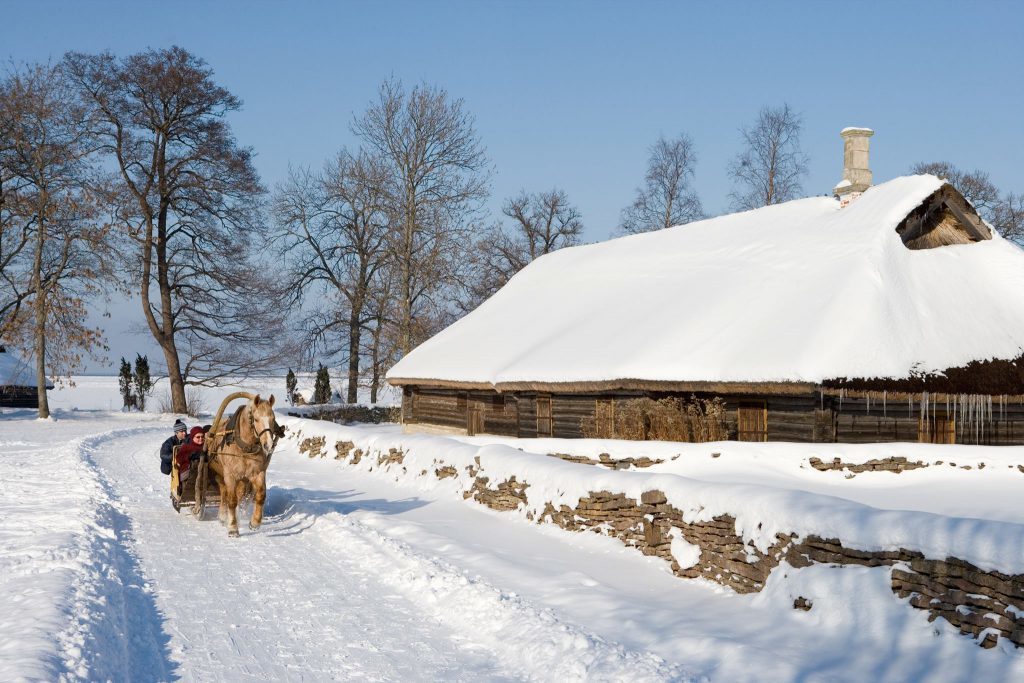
(240, 451)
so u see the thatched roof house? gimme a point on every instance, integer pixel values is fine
(880, 292)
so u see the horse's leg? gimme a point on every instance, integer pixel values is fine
(259, 485)
(238, 494)
(222, 511)
(232, 503)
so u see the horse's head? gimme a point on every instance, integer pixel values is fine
(264, 424)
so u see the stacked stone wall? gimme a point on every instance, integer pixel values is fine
(345, 414)
(986, 605)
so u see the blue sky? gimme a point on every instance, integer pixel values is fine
(571, 94)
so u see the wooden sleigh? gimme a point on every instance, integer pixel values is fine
(198, 488)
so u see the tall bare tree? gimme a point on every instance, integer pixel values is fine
(439, 177)
(334, 229)
(771, 164)
(15, 223)
(1004, 211)
(188, 199)
(541, 223)
(45, 157)
(666, 197)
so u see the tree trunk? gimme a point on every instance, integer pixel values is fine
(407, 274)
(40, 349)
(40, 311)
(170, 349)
(177, 384)
(354, 329)
(375, 360)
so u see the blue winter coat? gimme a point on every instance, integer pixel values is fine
(167, 453)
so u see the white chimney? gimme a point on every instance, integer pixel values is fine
(856, 171)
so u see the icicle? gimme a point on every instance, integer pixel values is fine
(884, 414)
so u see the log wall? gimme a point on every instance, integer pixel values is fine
(797, 418)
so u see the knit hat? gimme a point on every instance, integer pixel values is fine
(180, 426)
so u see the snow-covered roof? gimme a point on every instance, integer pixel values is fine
(14, 371)
(797, 292)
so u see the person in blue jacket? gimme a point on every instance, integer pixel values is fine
(167, 449)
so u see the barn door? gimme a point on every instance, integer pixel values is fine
(936, 429)
(604, 418)
(752, 421)
(475, 418)
(543, 416)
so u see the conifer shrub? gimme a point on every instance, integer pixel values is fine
(143, 381)
(322, 386)
(291, 383)
(124, 383)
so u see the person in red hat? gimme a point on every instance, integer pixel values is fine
(189, 452)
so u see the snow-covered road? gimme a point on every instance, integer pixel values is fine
(359, 575)
(300, 600)
(315, 594)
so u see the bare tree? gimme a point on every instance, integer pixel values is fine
(769, 168)
(15, 221)
(666, 198)
(1008, 217)
(188, 199)
(439, 177)
(1004, 211)
(333, 230)
(542, 222)
(45, 156)
(381, 348)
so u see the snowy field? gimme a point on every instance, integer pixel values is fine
(361, 574)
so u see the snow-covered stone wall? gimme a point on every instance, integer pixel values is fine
(984, 603)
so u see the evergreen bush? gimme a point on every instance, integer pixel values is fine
(322, 386)
(290, 383)
(143, 381)
(124, 383)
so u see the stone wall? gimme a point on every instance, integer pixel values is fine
(352, 413)
(985, 605)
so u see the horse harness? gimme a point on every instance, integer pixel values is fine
(232, 434)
